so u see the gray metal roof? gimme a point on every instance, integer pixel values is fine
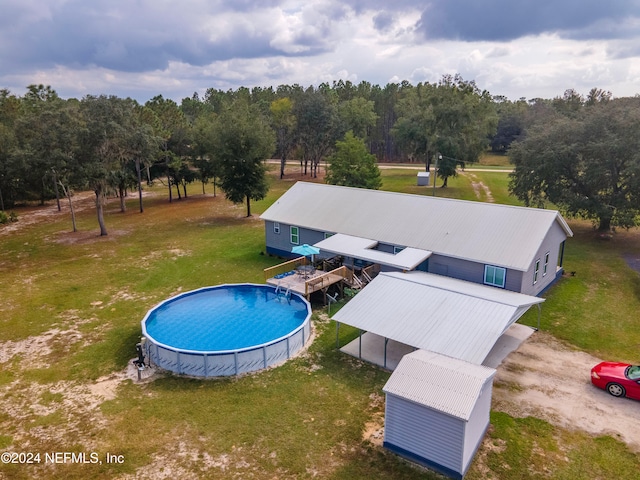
(364, 248)
(489, 233)
(452, 317)
(442, 383)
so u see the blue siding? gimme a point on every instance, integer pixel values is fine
(552, 243)
(280, 243)
(423, 461)
(426, 433)
(477, 425)
(470, 271)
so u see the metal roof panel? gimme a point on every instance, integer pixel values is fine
(439, 382)
(458, 319)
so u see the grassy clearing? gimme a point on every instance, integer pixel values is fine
(82, 297)
(528, 448)
(489, 159)
(405, 181)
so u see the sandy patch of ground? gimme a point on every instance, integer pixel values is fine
(479, 187)
(89, 236)
(374, 428)
(172, 253)
(82, 201)
(179, 461)
(33, 352)
(33, 215)
(545, 379)
(61, 409)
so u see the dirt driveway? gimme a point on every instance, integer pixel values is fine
(545, 379)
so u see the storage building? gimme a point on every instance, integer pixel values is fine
(437, 411)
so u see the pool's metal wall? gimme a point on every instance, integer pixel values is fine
(225, 364)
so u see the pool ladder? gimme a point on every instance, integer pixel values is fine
(283, 295)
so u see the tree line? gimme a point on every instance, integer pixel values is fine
(50, 146)
(581, 154)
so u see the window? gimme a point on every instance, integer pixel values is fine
(494, 276)
(546, 264)
(276, 227)
(295, 235)
(327, 235)
(536, 270)
(633, 372)
(561, 254)
(397, 250)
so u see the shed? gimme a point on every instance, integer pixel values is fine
(437, 411)
(423, 179)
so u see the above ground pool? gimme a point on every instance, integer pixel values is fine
(226, 330)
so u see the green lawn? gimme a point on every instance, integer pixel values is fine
(489, 159)
(77, 300)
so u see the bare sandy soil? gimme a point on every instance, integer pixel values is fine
(478, 186)
(32, 215)
(548, 380)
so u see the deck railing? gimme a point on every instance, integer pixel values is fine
(368, 273)
(326, 279)
(283, 267)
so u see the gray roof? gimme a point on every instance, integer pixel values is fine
(488, 233)
(442, 383)
(445, 315)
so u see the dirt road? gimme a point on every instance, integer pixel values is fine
(546, 379)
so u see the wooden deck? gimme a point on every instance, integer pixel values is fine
(313, 282)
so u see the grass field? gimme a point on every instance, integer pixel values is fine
(70, 318)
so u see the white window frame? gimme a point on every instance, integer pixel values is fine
(536, 271)
(296, 235)
(493, 269)
(276, 228)
(546, 264)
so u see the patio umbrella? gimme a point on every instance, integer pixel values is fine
(306, 250)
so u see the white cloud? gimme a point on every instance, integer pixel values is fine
(145, 48)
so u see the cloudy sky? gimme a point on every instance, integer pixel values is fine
(142, 48)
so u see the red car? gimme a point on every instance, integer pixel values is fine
(619, 379)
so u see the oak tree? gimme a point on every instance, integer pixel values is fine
(587, 163)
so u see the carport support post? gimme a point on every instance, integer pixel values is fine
(360, 345)
(539, 313)
(386, 340)
(337, 334)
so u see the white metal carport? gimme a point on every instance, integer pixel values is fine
(431, 312)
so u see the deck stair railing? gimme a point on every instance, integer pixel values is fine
(370, 272)
(327, 279)
(355, 282)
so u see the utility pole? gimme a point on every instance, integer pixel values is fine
(435, 173)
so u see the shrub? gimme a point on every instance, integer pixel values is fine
(4, 218)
